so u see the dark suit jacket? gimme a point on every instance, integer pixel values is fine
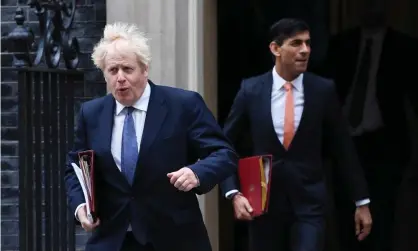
(298, 175)
(179, 130)
(395, 80)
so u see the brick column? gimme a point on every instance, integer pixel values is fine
(89, 21)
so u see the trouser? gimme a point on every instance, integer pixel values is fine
(131, 244)
(286, 233)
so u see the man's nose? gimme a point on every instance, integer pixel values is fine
(305, 48)
(121, 76)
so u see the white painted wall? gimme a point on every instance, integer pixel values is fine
(183, 46)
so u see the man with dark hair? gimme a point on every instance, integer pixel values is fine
(295, 116)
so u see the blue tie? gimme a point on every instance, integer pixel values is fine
(129, 146)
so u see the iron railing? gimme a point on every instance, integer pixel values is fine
(46, 131)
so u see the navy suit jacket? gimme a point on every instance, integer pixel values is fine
(179, 130)
(297, 183)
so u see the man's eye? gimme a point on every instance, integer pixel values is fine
(296, 43)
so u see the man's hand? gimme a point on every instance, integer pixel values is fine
(183, 179)
(363, 221)
(85, 223)
(242, 207)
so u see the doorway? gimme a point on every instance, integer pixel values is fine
(243, 52)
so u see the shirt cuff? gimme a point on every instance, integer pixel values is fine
(362, 202)
(229, 194)
(76, 210)
(197, 177)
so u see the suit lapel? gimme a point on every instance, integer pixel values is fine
(307, 106)
(265, 109)
(106, 119)
(156, 113)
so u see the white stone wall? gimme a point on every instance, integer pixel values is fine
(183, 47)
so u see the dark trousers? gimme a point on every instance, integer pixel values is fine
(131, 244)
(286, 233)
(406, 216)
(383, 170)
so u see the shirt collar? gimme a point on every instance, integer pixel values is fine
(140, 104)
(278, 81)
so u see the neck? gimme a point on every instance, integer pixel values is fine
(286, 75)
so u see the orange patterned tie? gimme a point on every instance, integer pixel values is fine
(289, 116)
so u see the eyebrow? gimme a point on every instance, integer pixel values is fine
(121, 65)
(300, 40)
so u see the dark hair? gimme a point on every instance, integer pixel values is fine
(286, 28)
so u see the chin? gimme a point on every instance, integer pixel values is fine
(301, 70)
(125, 100)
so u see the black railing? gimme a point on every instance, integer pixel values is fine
(46, 129)
(54, 44)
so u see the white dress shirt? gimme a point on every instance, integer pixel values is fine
(139, 115)
(372, 118)
(278, 103)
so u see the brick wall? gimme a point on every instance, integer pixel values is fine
(89, 21)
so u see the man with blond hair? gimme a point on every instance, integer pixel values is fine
(147, 139)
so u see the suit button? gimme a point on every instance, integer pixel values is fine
(132, 197)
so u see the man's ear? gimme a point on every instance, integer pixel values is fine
(145, 69)
(275, 49)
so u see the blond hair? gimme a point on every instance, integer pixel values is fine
(136, 40)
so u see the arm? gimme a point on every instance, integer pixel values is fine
(217, 158)
(236, 123)
(73, 187)
(338, 140)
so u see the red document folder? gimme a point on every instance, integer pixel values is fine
(254, 176)
(86, 161)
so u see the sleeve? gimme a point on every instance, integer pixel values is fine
(218, 160)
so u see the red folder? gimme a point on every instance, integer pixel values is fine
(254, 176)
(86, 161)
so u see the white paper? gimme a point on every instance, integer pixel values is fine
(267, 167)
(84, 185)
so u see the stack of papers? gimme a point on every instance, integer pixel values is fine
(85, 179)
